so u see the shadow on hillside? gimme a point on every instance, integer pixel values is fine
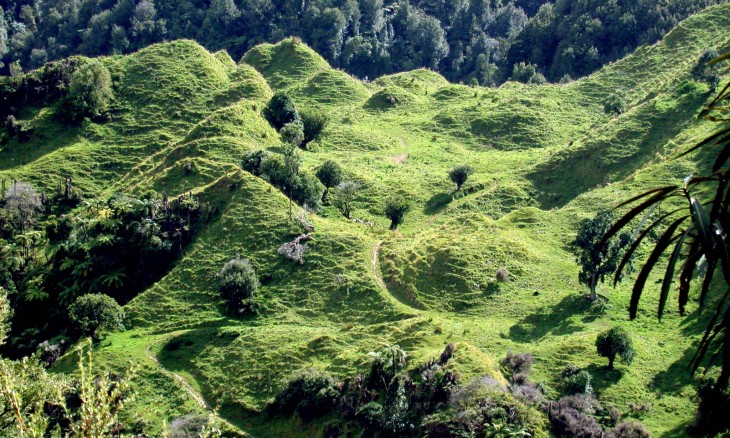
(677, 376)
(437, 203)
(612, 153)
(603, 378)
(557, 322)
(180, 352)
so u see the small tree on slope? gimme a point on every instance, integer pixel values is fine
(595, 259)
(615, 342)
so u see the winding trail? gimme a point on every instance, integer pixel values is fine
(195, 395)
(375, 263)
(377, 274)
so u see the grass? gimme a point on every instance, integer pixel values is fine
(545, 157)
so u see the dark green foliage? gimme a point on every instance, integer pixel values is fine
(292, 133)
(90, 92)
(308, 191)
(615, 342)
(93, 313)
(527, 74)
(576, 381)
(253, 161)
(711, 419)
(330, 174)
(370, 38)
(314, 123)
(706, 71)
(281, 110)
(459, 174)
(238, 284)
(597, 258)
(396, 208)
(615, 104)
(311, 393)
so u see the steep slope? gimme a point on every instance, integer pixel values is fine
(544, 157)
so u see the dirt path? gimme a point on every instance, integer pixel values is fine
(376, 266)
(183, 383)
(377, 274)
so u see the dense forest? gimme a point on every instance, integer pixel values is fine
(488, 41)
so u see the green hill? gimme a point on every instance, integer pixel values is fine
(545, 157)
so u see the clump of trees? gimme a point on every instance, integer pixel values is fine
(396, 208)
(238, 283)
(93, 314)
(296, 128)
(90, 92)
(614, 343)
(283, 171)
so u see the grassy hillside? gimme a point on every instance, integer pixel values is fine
(545, 158)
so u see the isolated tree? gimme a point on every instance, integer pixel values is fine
(459, 174)
(395, 209)
(330, 174)
(89, 92)
(344, 194)
(596, 258)
(290, 172)
(615, 342)
(238, 284)
(93, 313)
(22, 203)
(314, 123)
(280, 110)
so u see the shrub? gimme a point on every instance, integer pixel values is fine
(459, 174)
(629, 429)
(308, 191)
(370, 416)
(518, 363)
(311, 393)
(238, 284)
(615, 342)
(502, 275)
(89, 92)
(615, 104)
(93, 313)
(314, 123)
(395, 209)
(577, 383)
(189, 426)
(292, 133)
(253, 161)
(572, 416)
(330, 174)
(280, 110)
